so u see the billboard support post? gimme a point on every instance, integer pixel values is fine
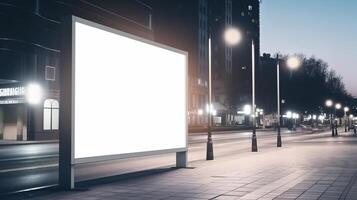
(181, 159)
(66, 169)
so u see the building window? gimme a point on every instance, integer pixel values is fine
(50, 73)
(250, 7)
(50, 114)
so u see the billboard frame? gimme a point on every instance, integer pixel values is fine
(67, 161)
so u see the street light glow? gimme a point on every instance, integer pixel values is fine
(33, 93)
(329, 103)
(321, 118)
(200, 112)
(289, 114)
(338, 106)
(346, 109)
(214, 112)
(295, 116)
(293, 62)
(247, 109)
(209, 109)
(232, 36)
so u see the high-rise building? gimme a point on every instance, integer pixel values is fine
(187, 25)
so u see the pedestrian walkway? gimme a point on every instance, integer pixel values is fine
(318, 168)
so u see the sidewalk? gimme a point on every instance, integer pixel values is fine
(320, 168)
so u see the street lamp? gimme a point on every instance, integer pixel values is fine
(200, 112)
(254, 135)
(33, 93)
(329, 104)
(346, 109)
(337, 107)
(232, 36)
(292, 63)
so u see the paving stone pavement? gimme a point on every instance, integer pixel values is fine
(321, 168)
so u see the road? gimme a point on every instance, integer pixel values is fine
(30, 166)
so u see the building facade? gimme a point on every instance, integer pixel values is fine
(30, 53)
(187, 25)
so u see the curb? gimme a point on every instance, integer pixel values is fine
(28, 142)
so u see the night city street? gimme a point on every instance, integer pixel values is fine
(26, 166)
(178, 99)
(309, 168)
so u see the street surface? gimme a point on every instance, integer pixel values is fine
(36, 165)
(314, 166)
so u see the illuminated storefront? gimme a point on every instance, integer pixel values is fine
(27, 113)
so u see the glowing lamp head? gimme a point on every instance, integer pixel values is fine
(321, 117)
(293, 63)
(328, 103)
(33, 93)
(232, 36)
(214, 112)
(200, 112)
(247, 109)
(338, 106)
(346, 109)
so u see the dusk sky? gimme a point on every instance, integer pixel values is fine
(326, 29)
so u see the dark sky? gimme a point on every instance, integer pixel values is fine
(326, 29)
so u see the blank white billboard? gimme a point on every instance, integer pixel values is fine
(129, 94)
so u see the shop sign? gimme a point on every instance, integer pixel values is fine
(10, 92)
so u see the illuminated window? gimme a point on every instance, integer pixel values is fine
(50, 114)
(250, 7)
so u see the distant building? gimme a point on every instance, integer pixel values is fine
(266, 84)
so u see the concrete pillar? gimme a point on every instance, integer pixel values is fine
(1, 123)
(20, 122)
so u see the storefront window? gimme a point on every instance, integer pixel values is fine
(50, 114)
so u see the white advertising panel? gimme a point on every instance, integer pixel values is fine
(129, 94)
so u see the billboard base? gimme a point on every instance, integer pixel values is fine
(67, 180)
(181, 159)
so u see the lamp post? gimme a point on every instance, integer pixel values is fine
(292, 63)
(329, 104)
(232, 36)
(350, 121)
(337, 107)
(254, 135)
(346, 109)
(279, 143)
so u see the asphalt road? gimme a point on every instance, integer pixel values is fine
(30, 166)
